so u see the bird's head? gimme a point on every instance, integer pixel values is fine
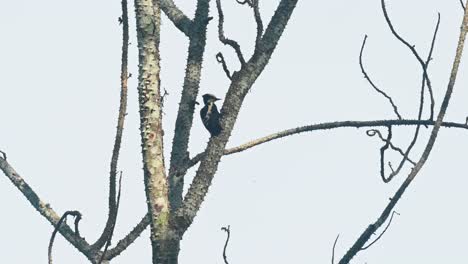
(209, 98)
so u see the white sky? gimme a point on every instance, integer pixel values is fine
(285, 201)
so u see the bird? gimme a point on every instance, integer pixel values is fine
(210, 115)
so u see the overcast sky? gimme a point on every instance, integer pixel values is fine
(286, 200)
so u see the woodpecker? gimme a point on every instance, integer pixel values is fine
(210, 115)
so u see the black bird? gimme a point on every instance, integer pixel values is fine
(210, 115)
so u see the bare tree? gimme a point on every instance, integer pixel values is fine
(170, 213)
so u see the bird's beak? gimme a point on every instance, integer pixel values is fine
(217, 99)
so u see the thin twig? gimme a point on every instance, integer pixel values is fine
(223, 39)
(254, 4)
(220, 59)
(366, 76)
(365, 236)
(410, 47)
(228, 231)
(333, 249)
(109, 239)
(425, 80)
(258, 20)
(112, 216)
(462, 5)
(77, 216)
(373, 132)
(383, 149)
(383, 232)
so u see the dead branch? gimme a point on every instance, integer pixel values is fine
(112, 206)
(254, 4)
(223, 39)
(185, 114)
(366, 76)
(125, 242)
(383, 232)
(4, 156)
(410, 47)
(228, 232)
(327, 126)
(373, 132)
(180, 20)
(425, 81)
(360, 242)
(77, 216)
(333, 249)
(220, 59)
(45, 209)
(111, 234)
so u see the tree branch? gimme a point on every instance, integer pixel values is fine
(223, 39)
(111, 233)
(366, 76)
(410, 47)
(383, 232)
(333, 249)
(220, 59)
(327, 126)
(358, 245)
(180, 20)
(254, 4)
(421, 104)
(113, 207)
(129, 238)
(45, 210)
(179, 154)
(228, 232)
(77, 216)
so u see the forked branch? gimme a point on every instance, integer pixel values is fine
(222, 37)
(112, 206)
(365, 236)
(77, 216)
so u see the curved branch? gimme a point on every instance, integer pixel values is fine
(410, 47)
(77, 216)
(113, 207)
(360, 242)
(111, 234)
(333, 249)
(223, 39)
(361, 64)
(228, 232)
(220, 59)
(421, 107)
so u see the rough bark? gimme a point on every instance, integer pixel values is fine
(180, 155)
(148, 16)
